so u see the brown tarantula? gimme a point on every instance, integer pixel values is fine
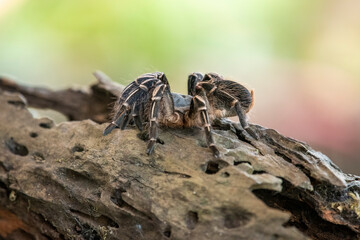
(148, 102)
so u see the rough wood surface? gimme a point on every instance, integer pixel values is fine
(67, 181)
(76, 104)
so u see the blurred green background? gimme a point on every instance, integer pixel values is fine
(301, 57)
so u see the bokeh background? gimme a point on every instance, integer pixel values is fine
(302, 57)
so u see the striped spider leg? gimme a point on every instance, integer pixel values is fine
(226, 99)
(132, 100)
(198, 107)
(143, 98)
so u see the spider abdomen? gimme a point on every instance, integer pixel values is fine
(241, 93)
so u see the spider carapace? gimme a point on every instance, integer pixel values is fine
(149, 103)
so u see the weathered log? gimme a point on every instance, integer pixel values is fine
(76, 104)
(67, 181)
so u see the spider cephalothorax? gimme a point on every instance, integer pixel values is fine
(149, 102)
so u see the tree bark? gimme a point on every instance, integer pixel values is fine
(68, 181)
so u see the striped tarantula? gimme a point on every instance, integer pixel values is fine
(148, 102)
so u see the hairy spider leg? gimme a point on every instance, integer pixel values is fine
(118, 119)
(241, 114)
(138, 107)
(137, 113)
(129, 97)
(167, 102)
(234, 102)
(157, 95)
(198, 105)
(193, 79)
(227, 99)
(143, 79)
(128, 116)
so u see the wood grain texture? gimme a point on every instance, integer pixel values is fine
(68, 181)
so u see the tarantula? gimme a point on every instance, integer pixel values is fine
(148, 102)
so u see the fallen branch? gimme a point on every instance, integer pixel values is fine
(76, 104)
(67, 181)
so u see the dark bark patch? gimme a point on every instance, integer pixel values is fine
(16, 148)
(235, 217)
(46, 125)
(240, 162)
(33, 134)
(213, 166)
(19, 234)
(77, 148)
(225, 174)
(191, 219)
(89, 233)
(101, 220)
(258, 172)
(80, 179)
(17, 103)
(116, 197)
(167, 231)
(304, 216)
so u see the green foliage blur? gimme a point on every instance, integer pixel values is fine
(61, 42)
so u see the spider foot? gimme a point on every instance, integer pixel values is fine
(244, 135)
(145, 137)
(252, 133)
(159, 140)
(109, 128)
(151, 147)
(247, 134)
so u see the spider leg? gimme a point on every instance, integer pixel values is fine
(127, 118)
(138, 109)
(134, 102)
(118, 119)
(141, 80)
(157, 95)
(234, 103)
(193, 79)
(123, 111)
(137, 112)
(134, 93)
(198, 105)
(241, 114)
